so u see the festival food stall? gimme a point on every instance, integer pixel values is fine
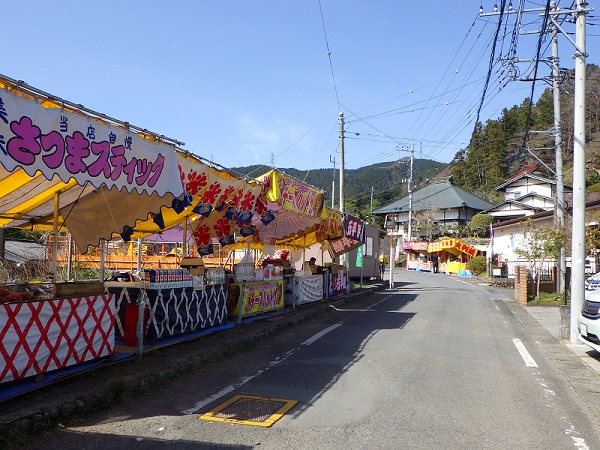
(453, 255)
(420, 250)
(293, 215)
(215, 207)
(65, 167)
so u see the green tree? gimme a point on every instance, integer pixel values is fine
(480, 223)
(540, 244)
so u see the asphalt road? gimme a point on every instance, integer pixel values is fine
(434, 363)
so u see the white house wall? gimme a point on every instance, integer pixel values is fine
(526, 186)
(510, 237)
(538, 202)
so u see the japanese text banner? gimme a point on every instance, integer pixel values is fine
(292, 195)
(55, 141)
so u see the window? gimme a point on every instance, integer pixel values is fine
(368, 248)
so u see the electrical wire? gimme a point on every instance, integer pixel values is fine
(337, 99)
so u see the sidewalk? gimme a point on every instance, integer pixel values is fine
(549, 318)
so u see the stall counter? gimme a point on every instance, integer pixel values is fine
(455, 267)
(170, 312)
(47, 334)
(308, 289)
(258, 297)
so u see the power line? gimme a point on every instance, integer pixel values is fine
(337, 99)
(491, 63)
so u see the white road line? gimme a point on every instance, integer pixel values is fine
(232, 387)
(226, 390)
(529, 361)
(319, 335)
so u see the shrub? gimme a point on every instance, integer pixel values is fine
(477, 265)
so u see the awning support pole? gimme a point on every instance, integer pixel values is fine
(141, 326)
(70, 257)
(55, 232)
(185, 242)
(139, 255)
(102, 255)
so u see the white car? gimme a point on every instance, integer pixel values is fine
(589, 320)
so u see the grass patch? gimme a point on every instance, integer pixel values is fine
(547, 298)
(14, 438)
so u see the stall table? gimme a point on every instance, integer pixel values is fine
(338, 283)
(47, 334)
(170, 312)
(308, 289)
(415, 264)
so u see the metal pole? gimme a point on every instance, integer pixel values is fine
(102, 256)
(141, 326)
(560, 181)
(185, 242)
(55, 233)
(341, 122)
(578, 233)
(391, 261)
(70, 258)
(139, 255)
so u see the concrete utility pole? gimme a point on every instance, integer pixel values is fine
(578, 233)
(579, 198)
(341, 122)
(410, 192)
(559, 203)
(342, 205)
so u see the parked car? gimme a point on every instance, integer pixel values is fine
(589, 320)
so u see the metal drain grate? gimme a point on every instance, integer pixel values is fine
(250, 410)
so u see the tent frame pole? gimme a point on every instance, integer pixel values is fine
(55, 232)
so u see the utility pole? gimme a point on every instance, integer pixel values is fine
(578, 233)
(410, 192)
(341, 122)
(579, 198)
(342, 205)
(559, 203)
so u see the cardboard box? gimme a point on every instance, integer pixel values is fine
(195, 266)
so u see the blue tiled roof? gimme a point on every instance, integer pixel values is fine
(442, 195)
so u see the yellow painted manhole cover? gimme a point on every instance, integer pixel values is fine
(250, 410)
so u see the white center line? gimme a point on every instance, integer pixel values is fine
(321, 334)
(228, 389)
(529, 361)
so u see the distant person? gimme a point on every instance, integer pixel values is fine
(382, 262)
(312, 263)
(436, 262)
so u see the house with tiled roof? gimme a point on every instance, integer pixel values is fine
(526, 193)
(449, 205)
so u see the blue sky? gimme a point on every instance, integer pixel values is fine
(246, 83)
